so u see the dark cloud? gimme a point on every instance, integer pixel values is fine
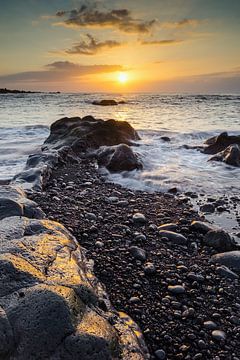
(162, 42)
(91, 46)
(89, 15)
(59, 71)
(187, 22)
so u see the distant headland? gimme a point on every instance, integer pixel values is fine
(8, 91)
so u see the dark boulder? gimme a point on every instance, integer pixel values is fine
(165, 138)
(118, 158)
(230, 259)
(108, 102)
(219, 240)
(230, 156)
(89, 132)
(219, 143)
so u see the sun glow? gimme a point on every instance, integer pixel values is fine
(122, 77)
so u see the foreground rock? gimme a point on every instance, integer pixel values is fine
(230, 259)
(118, 158)
(51, 305)
(230, 156)
(219, 143)
(108, 102)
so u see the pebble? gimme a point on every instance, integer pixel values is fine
(170, 227)
(149, 268)
(90, 216)
(139, 218)
(138, 253)
(176, 238)
(218, 335)
(210, 325)
(195, 277)
(140, 237)
(99, 244)
(160, 354)
(112, 199)
(134, 300)
(56, 198)
(176, 289)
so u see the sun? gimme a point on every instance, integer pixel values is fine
(122, 77)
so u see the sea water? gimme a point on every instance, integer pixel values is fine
(185, 119)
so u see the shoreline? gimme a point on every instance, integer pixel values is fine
(154, 257)
(99, 214)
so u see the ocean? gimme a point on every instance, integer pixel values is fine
(186, 119)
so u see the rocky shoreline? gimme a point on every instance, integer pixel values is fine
(178, 297)
(156, 260)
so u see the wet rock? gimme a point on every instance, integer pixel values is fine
(165, 138)
(230, 259)
(226, 272)
(176, 238)
(219, 143)
(108, 102)
(219, 240)
(219, 335)
(37, 170)
(201, 226)
(230, 156)
(118, 158)
(207, 208)
(176, 289)
(138, 253)
(170, 227)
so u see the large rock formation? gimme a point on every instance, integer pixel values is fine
(70, 138)
(89, 132)
(219, 143)
(231, 155)
(51, 305)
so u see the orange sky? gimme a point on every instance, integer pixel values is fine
(160, 45)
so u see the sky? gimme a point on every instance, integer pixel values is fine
(120, 46)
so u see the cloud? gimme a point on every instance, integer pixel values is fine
(89, 15)
(91, 46)
(162, 42)
(60, 71)
(187, 22)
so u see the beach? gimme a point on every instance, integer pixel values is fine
(163, 280)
